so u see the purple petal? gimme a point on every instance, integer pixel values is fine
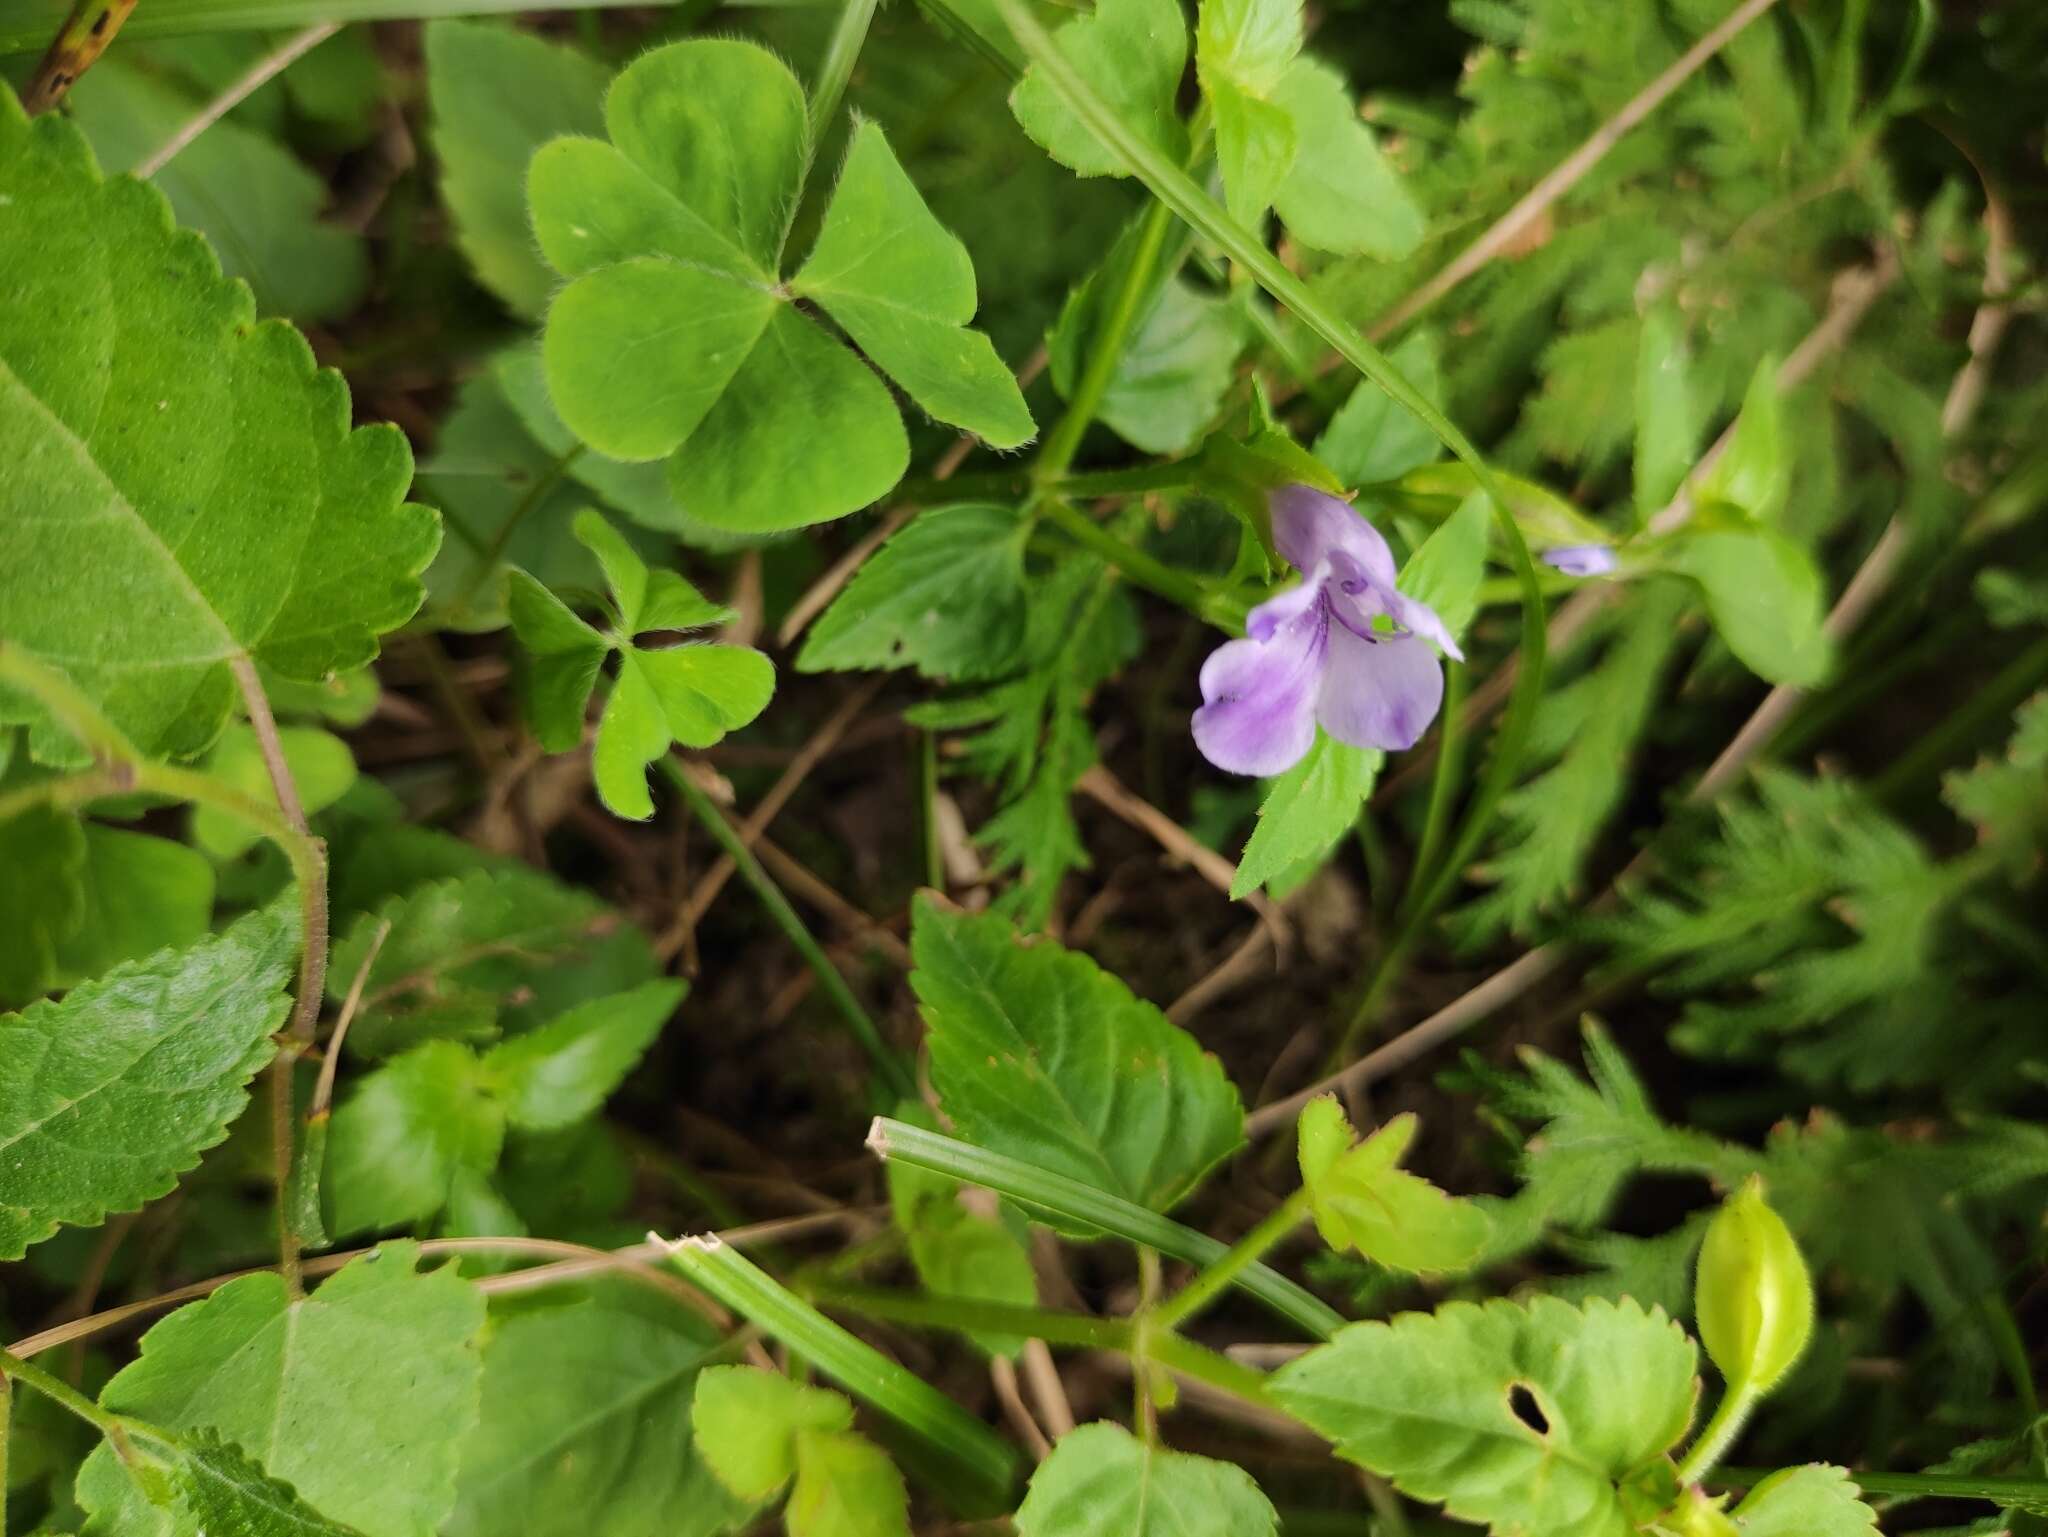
(1310, 527)
(1379, 693)
(1259, 696)
(1581, 559)
(1414, 614)
(1285, 607)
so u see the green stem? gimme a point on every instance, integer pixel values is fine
(836, 68)
(1213, 1281)
(1720, 1434)
(1153, 575)
(2024, 1492)
(1064, 440)
(987, 1462)
(1077, 1331)
(55, 1388)
(888, 1062)
(1450, 759)
(1078, 1203)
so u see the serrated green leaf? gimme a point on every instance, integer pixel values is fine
(1763, 593)
(1362, 1201)
(322, 769)
(586, 1423)
(1039, 1053)
(1429, 1402)
(945, 594)
(2005, 796)
(204, 470)
(1375, 438)
(358, 1396)
(1341, 195)
(227, 1495)
(1101, 1481)
(1811, 1501)
(903, 287)
(404, 1134)
(1242, 52)
(846, 1486)
(747, 1421)
(113, 1091)
(498, 94)
(1131, 53)
(257, 205)
(564, 1070)
(1306, 811)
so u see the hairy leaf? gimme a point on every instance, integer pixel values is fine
(227, 1495)
(1811, 1501)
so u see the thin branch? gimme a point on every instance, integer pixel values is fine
(323, 1089)
(77, 45)
(238, 90)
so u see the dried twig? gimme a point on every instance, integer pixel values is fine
(236, 92)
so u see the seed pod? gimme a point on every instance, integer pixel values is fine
(1754, 1296)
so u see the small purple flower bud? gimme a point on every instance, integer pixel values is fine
(1581, 559)
(1314, 655)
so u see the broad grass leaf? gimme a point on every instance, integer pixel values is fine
(1102, 1481)
(115, 1089)
(1430, 1401)
(1039, 1053)
(358, 1396)
(193, 469)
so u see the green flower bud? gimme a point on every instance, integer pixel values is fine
(1754, 1296)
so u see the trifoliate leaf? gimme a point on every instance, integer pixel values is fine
(564, 1070)
(747, 1421)
(1242, 52)
(846, 1486)
(1448, 1407)
(1102, 1481)
(1306, 811)
(586, 1423)
(498, 94)
(1362, 1201)
(322, 769)
(227, 1495)
(1340, 195)
(1039, 1053)
(1373, 437)
(404, 1134)
(945, 594)
(113, 1091)
(358, 1396)
(1131, 53)
(675, 338)
(692, 695)
(201, 476)
(1811, 1501)
(1763, 593)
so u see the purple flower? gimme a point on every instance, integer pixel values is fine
(1581, 559)
(1312, 655)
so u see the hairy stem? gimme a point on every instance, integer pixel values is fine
(1128, 560)
(1729, 1417)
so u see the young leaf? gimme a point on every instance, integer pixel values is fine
(1132, 53)
(945, 595)
(498, 94)
(564, 1070)
(1340, 194)
(577, 1391)
(1306, 811)
(1362, 1201)
(1447, 1406)
(1375, 438)
(1102, 1481)
(1763, 593)
(205, 473)
(358, 1396)
(1446, 571)
(1667, 418)
(114, 1090)
(675, 229)
(747, 1421)
(406, 1133)
(1242, 52)
(321, 766)
(1038, 1052)
(845, 1487)
(1755, 474)
(1811, 1501)
(227, 1495)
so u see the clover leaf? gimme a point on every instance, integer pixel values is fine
(676, 336)
(692, 694)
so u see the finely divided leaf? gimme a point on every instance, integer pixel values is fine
(1430, 1401)
(200, 475)
(114, 1090)
(1101, 1481)
(1038, 1052)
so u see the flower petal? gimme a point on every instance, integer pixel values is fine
(1581, 559)
(1259, 696)
(1379, 693)
(1283, 608)
(1414, 614)
(1309, 527)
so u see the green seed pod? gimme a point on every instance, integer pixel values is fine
(1753, 1296)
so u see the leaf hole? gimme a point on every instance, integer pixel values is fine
(1523, 1406)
